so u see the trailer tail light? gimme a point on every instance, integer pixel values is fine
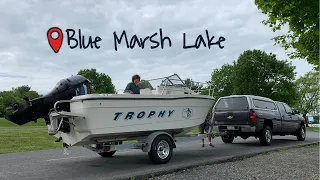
(252, 117)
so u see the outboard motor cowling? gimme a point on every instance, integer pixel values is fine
(40, 107)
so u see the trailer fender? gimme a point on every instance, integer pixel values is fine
(152, 136)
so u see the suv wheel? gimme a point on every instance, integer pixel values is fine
(227, 137)
(301, 136)
(265, 136)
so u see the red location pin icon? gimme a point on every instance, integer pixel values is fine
(55, 43)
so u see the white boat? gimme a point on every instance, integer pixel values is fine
(102, 121)
(171, 107)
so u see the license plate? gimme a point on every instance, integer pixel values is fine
(230, 128)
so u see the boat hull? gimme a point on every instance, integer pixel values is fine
(111, 117)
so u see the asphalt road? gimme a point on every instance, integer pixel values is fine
(304, 165)
(84, 164)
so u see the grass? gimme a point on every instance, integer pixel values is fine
(194, 131)
(30, 137)
(314, 129)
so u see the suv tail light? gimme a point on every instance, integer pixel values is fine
(252, 117)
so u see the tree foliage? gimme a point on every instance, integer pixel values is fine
(259, 73)
(256, 73)
(222, 81)
(7, 98)
(25, 91)
(302, 16)
(193, 85)
(308, 93)
(101, 83)
(316, 119)
(145, 84)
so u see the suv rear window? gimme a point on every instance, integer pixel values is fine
(232, 103)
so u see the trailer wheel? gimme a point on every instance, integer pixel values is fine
(107, 154)
(265, 136)
(227, 137)
(161, 150)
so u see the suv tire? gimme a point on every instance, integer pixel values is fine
(301, 134)
(265, 136)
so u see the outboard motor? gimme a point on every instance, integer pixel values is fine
(40, 107)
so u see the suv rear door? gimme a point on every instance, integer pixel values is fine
(232, 111)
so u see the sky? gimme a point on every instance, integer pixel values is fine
(27, 59)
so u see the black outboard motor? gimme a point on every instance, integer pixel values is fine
(40, 107)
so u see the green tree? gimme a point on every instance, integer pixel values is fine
(145, 84)
(21, 90)
(101, 83)
(308, 93)
(25, 91)
(262, 74)
(192, 84)
(207, 89)
(222, 81)
(7, 98)
(256, 73)
(302, 16)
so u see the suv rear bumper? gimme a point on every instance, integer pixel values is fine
(241, 128)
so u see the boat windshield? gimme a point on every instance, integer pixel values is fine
(173, 80)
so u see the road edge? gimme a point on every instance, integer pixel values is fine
(215, 161)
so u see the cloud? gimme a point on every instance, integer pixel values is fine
(26, 58)
(5, 75)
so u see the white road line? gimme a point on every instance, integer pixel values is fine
(68, 158)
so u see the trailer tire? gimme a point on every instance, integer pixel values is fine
(161, 150)
(107, 154)
(228, 137)
(265, 136)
